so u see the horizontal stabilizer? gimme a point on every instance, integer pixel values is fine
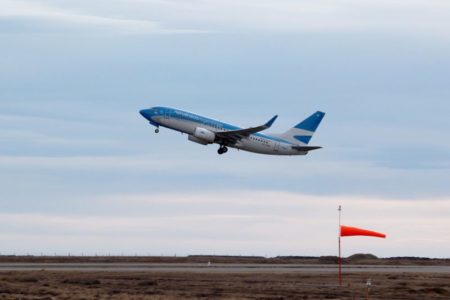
(306, 148)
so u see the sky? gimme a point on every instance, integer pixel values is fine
(82, 172)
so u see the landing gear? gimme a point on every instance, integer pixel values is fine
(156, 130)
(222, 150)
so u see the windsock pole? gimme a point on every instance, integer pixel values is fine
(339, 246)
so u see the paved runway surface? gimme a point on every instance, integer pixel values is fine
(218, 268)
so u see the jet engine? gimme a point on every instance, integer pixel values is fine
(197, 140)
(202, 136)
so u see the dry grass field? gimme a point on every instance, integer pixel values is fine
(175, 285)
(79, 284)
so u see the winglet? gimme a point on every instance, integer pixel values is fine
(268, 124)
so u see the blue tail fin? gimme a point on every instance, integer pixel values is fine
(312, 122)
(303, 131)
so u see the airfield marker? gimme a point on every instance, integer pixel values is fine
(352, 231)
(339, 246)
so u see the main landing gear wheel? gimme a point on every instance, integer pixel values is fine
(156, 130)
(222, 150)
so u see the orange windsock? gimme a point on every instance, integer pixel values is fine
(351, 231)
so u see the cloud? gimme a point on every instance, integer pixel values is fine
(313, 175)
(46, 136)
(35, 16)
(241, 222)
(430, 17)
(419, 157)
(89, 168)
(132, 17)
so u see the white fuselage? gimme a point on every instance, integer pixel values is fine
(258, 143)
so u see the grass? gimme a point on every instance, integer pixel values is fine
(172, 285)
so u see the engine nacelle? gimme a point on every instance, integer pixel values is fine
(197, 140)
(205, 135)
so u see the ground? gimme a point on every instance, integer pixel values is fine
(206, 284)
(175, 285)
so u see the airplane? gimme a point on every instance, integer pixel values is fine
(206, 131)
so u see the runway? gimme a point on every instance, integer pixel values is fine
(219, 268)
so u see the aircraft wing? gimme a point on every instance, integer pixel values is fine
(235, 135)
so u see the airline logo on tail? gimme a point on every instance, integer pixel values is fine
(303, 131)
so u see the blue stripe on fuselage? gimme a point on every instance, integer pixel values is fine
(188, 116)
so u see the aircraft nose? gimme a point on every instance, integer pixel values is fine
(146, 113)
